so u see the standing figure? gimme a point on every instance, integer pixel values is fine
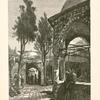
(65, 90)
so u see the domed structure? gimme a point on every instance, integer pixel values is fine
(71, 3)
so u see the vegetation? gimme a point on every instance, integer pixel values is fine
(25, 27)
(43, 41)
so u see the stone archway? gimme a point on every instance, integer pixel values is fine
(77, 29)
(33, 74)
(78, 58)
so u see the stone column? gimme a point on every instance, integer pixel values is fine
(56, 69)
(42, 74)
(62, 67)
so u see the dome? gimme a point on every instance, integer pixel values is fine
(71, 3)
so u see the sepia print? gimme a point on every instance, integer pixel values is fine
(49, 49)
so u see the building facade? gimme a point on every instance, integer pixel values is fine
(73, 21)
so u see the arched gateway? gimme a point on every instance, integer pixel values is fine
(33, 74)
(73, 21)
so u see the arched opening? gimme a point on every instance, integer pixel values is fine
(77, 29)
(78, 58)
(33, 74)
(76, 51)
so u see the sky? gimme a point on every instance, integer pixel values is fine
(50, 7)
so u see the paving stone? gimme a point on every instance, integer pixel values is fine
(33, 93)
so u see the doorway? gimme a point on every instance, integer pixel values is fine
(32, 74)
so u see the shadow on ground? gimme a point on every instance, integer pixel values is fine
(49, 94)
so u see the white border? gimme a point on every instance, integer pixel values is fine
(95, 49)
(4, 50)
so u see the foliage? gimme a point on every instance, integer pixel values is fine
(44, 37)
(43, 41)
(25, 27)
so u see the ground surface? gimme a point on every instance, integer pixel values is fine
(34, 92)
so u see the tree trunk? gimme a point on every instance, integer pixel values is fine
(22, 48)
(44, 68)
(10, 70)
(19, 66)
